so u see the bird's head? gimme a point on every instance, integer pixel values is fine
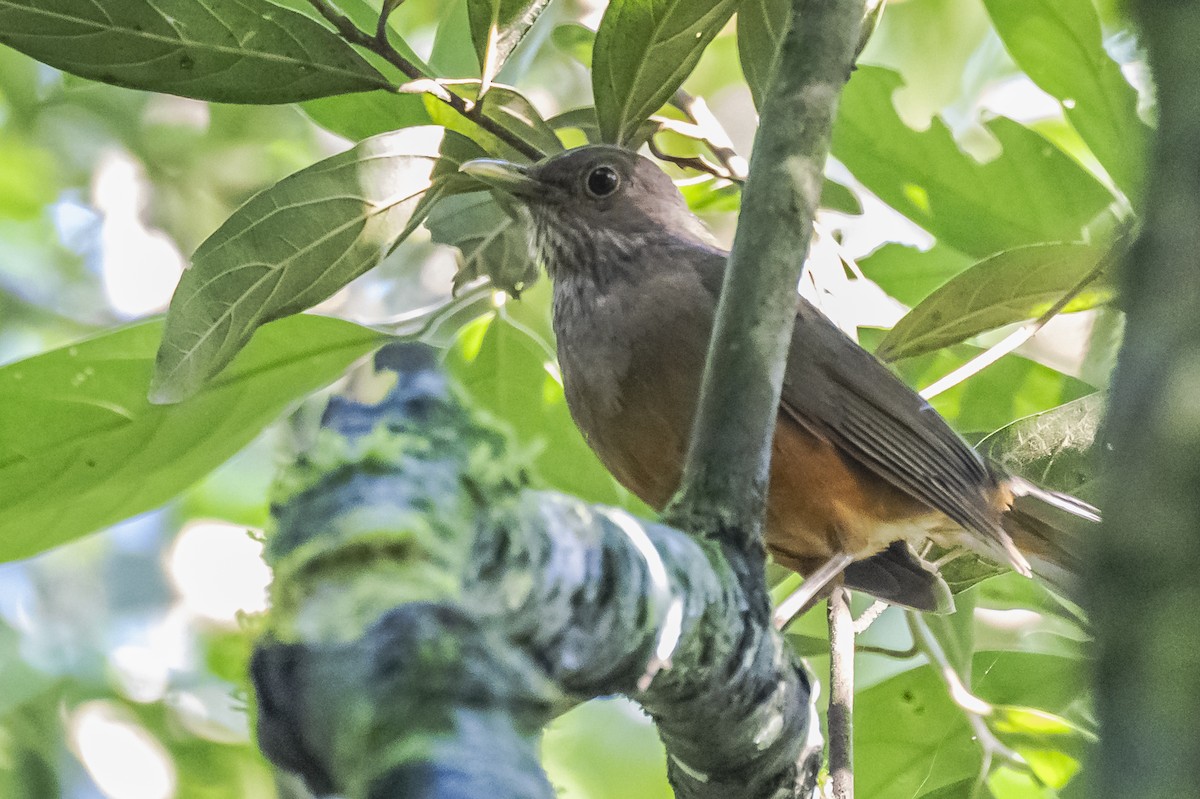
(593, 207)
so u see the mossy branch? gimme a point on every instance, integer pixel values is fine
(431, 614)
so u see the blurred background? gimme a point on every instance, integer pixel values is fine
(122, 656)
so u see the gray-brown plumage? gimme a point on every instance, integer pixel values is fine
(862, 466)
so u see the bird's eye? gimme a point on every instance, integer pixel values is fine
(602, 181)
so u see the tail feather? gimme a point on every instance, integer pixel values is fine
(1065, 502)
(1049, 528)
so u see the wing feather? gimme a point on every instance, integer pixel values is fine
(838, 390)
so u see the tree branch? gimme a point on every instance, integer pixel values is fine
(429, 616)
(725, 475)
(1140, 586)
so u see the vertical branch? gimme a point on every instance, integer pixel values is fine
(725, 475)
(1141, 587)
(841, 694)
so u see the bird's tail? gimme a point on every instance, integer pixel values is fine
(1048, 527)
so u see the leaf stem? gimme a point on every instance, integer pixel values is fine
(713, 134)
(419, 81)
(974, 709)
(898, 654)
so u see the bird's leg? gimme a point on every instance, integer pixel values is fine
(811, 591)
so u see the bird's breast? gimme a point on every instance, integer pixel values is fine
(631, 367)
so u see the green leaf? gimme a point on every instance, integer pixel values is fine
(1055, 449)
(836, 197)
(1052, 745)
(82, 448)
(1051, 683)
(575, 40)
(28, 178)
(956, 790)
(716, 195)
(966, 570)
(761, 26)
(232, 52)
(446, 179)
(1007, 782)
(1059, 45)
(910, 739)
(910, 275)
(365, 114)
(580, 119)
(453, 54)
(508, 109)
(644, 51)
(491, 243)
(288, 248)
(1008, 287)
(955, 633)
(497, 27)
(1031, 193)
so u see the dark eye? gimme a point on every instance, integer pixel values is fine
(602, 181)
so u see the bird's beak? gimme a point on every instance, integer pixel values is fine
(511, 178)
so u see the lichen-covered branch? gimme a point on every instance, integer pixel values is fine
(1141, 579)
(619, 605)
(725, 476)
(430, 615)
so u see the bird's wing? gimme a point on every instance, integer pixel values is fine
(839, 391)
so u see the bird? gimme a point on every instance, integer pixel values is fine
(863, 470)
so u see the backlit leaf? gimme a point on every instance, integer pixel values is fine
(1008, 287)
(506, 108)
(644, 51)
(288, 248)
(909, 274)
(761, 26)
(81, 447)
(1059, 45)
(1056, 449)
(497, 27)
(1029, 194)
(365, 114)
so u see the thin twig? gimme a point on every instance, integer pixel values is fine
(696, 162)
(898, 654)
(1021, 334)
(868, 617)
(975, 709)
(713, 134)
(382, 47)
(384, 13)
(841, 694)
